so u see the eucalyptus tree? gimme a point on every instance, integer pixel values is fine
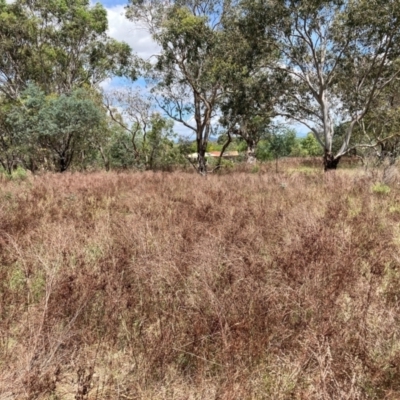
(250, 88)
(247, 111)
(58, 45)
(188, 72)
(143, 131)
(336, 59)
(131, 111)
(379, 132)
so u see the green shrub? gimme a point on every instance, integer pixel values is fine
(19, 174)
(381, 188)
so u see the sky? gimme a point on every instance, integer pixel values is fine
(141, 42)
(120, 28)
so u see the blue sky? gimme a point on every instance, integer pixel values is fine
(110, 3)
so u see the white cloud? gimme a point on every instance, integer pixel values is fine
(139, 38)
(106, 84)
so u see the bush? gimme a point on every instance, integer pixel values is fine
(381, 189)
(18, 174)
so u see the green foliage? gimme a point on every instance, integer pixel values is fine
(57, 126)
(18, 174)
(58, 45)
(281, 144)
(278, 145)
(152, 149)
(185, 32)
(263, 152)
(311, 146)
(186, 146)
(121, 154)
(17, 278)
(298, 150)
(306, 147)
(53, 53)
(158, 147)
(330, 53)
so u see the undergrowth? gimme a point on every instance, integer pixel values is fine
(172, 286)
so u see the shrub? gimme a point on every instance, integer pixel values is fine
(381, 189)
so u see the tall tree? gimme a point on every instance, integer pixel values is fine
(336, 57)
(247, 112)
(250, 91)
(379, 132)
(187, 72)
(57, 44)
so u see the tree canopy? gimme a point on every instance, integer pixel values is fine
(335, 59)
(226, 67)
(58, 45)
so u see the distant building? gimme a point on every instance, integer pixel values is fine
(227, 154)
(216, 154)
(194, 156)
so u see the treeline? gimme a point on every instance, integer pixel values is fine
(225, 70)
(283, 143)
(73, 130)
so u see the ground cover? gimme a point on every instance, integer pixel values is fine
(244, 285)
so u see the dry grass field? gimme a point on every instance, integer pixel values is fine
(171, 286)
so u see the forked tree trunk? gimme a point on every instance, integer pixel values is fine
(330, 161)
(62, 164)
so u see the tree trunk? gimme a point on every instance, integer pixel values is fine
(62, 163)
(7, 167)
(202, 139)
(83, 158)
(330, 162)
(251, 152)
(32, 165)
(202, 163)
(105, 158)
(224, 147)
